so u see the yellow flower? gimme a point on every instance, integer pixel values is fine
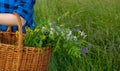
(36, 30)
(43, 37)
(28, 29)
(16, 33)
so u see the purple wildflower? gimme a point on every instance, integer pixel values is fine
(85, 50)
(53, 23)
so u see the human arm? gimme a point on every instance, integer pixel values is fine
(22, 7)
(25, 8)
(9, 19)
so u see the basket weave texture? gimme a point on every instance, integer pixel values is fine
(16, 57)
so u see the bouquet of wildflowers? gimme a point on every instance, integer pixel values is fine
(55, 36)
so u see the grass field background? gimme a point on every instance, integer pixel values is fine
(100, 19)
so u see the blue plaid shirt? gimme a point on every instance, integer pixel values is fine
(25, 8)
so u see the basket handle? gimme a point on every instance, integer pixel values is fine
(8, 29)
(20, 37)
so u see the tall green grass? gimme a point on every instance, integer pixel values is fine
(100, 19)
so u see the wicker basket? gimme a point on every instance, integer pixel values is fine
(16, 57)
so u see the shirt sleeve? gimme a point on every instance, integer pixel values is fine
(25, 8)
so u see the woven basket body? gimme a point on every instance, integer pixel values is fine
(14, 57)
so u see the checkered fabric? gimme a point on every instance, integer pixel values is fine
(25, 8)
